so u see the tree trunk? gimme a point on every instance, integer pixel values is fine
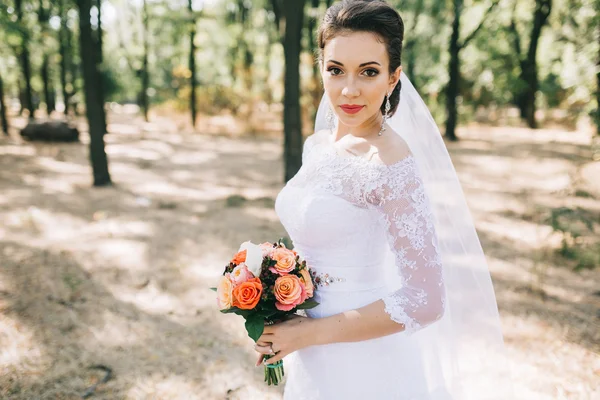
(24, 60)
(316, 89)
(48, 91)
(72, 66)
(598, 86)
(192, 63)
(100, 33)
(63, 52)
(144, 103)
(3, 116)
(43, 18)
(454, 74)
(99, 59)
(94, 109)
(411, 44)
(292, 120)
(529, 76)
(453, 88)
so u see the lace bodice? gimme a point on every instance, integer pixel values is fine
(342, 211)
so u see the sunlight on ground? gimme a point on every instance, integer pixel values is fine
(120, 276)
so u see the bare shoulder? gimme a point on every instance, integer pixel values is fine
(392, 148)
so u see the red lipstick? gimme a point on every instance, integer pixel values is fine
(351, 108)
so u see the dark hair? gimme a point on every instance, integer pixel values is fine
(375, 16)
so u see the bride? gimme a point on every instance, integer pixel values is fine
(407, 309)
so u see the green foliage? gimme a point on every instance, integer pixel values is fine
(255, 325)
(239, 57)
(575, 225)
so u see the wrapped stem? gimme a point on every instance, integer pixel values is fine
(274, 373)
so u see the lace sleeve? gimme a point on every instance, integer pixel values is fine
(400, 197)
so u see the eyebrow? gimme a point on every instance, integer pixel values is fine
(361, 65)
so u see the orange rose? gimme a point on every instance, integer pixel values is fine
(239, 258)
(225, 293)
(308, 283)
(289, 292)
(286, 261)
(247, 294)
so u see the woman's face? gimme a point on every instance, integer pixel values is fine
(355, 73)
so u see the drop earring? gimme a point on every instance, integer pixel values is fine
(388, 106)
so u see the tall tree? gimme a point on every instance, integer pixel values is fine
(316, 87)
(94, 109)
(528, 75)
(595, 22)
(64, 52)
(411, 42)
(192, 63)
(292, 116)
(98, 42)
(3, 116)
(24, 59)
(45, 72)
(144, 102)
(452, 88)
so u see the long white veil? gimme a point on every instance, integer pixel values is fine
(467, 342)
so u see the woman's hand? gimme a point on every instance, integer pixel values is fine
(283, 338)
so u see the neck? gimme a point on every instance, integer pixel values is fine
(369, 129)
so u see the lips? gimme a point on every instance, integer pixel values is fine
(351, 109)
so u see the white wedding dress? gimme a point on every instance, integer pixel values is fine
(341, 212)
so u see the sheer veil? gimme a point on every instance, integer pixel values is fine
(467, 342)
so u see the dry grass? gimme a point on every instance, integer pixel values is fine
(119, 276)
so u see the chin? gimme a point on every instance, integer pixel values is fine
(352, 122)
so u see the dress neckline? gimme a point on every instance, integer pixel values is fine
(331, 143)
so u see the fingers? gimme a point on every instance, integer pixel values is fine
(264, 349)
(275, 358)
(269, 330)
(260, 359)
(265, 337)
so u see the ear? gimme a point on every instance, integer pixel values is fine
(395, 77)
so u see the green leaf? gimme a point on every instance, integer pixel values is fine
(255, 325)
(235, 310)
(214, 289)
(307, 305)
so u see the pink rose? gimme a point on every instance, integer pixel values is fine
(286, 261)
(289, 292)
(267, 249)
(240, 274)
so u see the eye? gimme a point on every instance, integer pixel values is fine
(334, 71)
(371, 72)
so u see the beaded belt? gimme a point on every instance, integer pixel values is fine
(348, 278)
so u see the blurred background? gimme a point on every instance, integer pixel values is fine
(142, 141)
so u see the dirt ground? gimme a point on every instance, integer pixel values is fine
(118, 277)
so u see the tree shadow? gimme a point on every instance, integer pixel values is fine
(71, 321)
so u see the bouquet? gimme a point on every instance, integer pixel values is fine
(265, 283)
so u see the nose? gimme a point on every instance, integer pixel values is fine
(350, 89)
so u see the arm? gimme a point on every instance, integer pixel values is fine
(400, 199)
(404, 206)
